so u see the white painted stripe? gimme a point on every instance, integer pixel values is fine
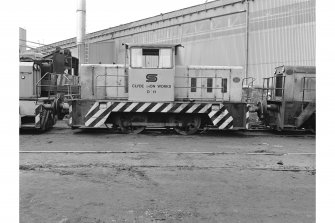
(88, 122)
(95, 116)
(231, 127)
(212, 113)
(168, 108)
(96, 104)
(247, 123)
(119, 106)
(204, 109)
(230, 119)
(37, 118)
(223, 114)
(102, 121)
(192, 108)
(181, 107)
(132, 105)
(156, 107)
(143, 107)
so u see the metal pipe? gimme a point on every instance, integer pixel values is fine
(81, 30)
(81, 21)
(247, 39)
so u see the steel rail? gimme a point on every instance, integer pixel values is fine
(211, 132)
(158, 152)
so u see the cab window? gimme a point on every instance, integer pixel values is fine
(151, 58)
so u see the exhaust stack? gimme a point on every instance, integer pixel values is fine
(81, 29)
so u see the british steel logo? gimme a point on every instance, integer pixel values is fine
(151, 78)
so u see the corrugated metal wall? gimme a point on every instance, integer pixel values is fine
(280, 32)
(101, 53)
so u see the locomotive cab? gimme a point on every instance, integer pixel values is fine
(151, 72)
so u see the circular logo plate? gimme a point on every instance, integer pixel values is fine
(236, 79)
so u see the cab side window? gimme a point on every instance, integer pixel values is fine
(136, 57)
(150, 58)
(165, 58)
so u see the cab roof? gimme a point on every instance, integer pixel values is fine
(156, 45)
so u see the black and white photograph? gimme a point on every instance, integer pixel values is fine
(167, 111)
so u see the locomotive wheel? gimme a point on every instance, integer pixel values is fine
(190, 125)
(125, 123)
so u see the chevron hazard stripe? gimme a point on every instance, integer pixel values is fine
(247, 120)
(247, 117)
(99, 112)
(70, 115)
(221, 118)
(38, 111)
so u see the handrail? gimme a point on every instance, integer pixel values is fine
(267, 88)
(251, 84)
(272, 89)
(248, 86)
(105, 75)
(203, 86)
(55, 86)
(176, 87)
(36, 85)
(119, 78)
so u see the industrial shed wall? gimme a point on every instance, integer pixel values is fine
(280, 32)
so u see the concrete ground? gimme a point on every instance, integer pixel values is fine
(164, 177)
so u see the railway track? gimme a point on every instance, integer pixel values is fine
(29, 167)
(166, 152)
(160, 131)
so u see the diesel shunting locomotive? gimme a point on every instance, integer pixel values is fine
(152, 89)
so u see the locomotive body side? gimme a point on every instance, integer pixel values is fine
(150, 91)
